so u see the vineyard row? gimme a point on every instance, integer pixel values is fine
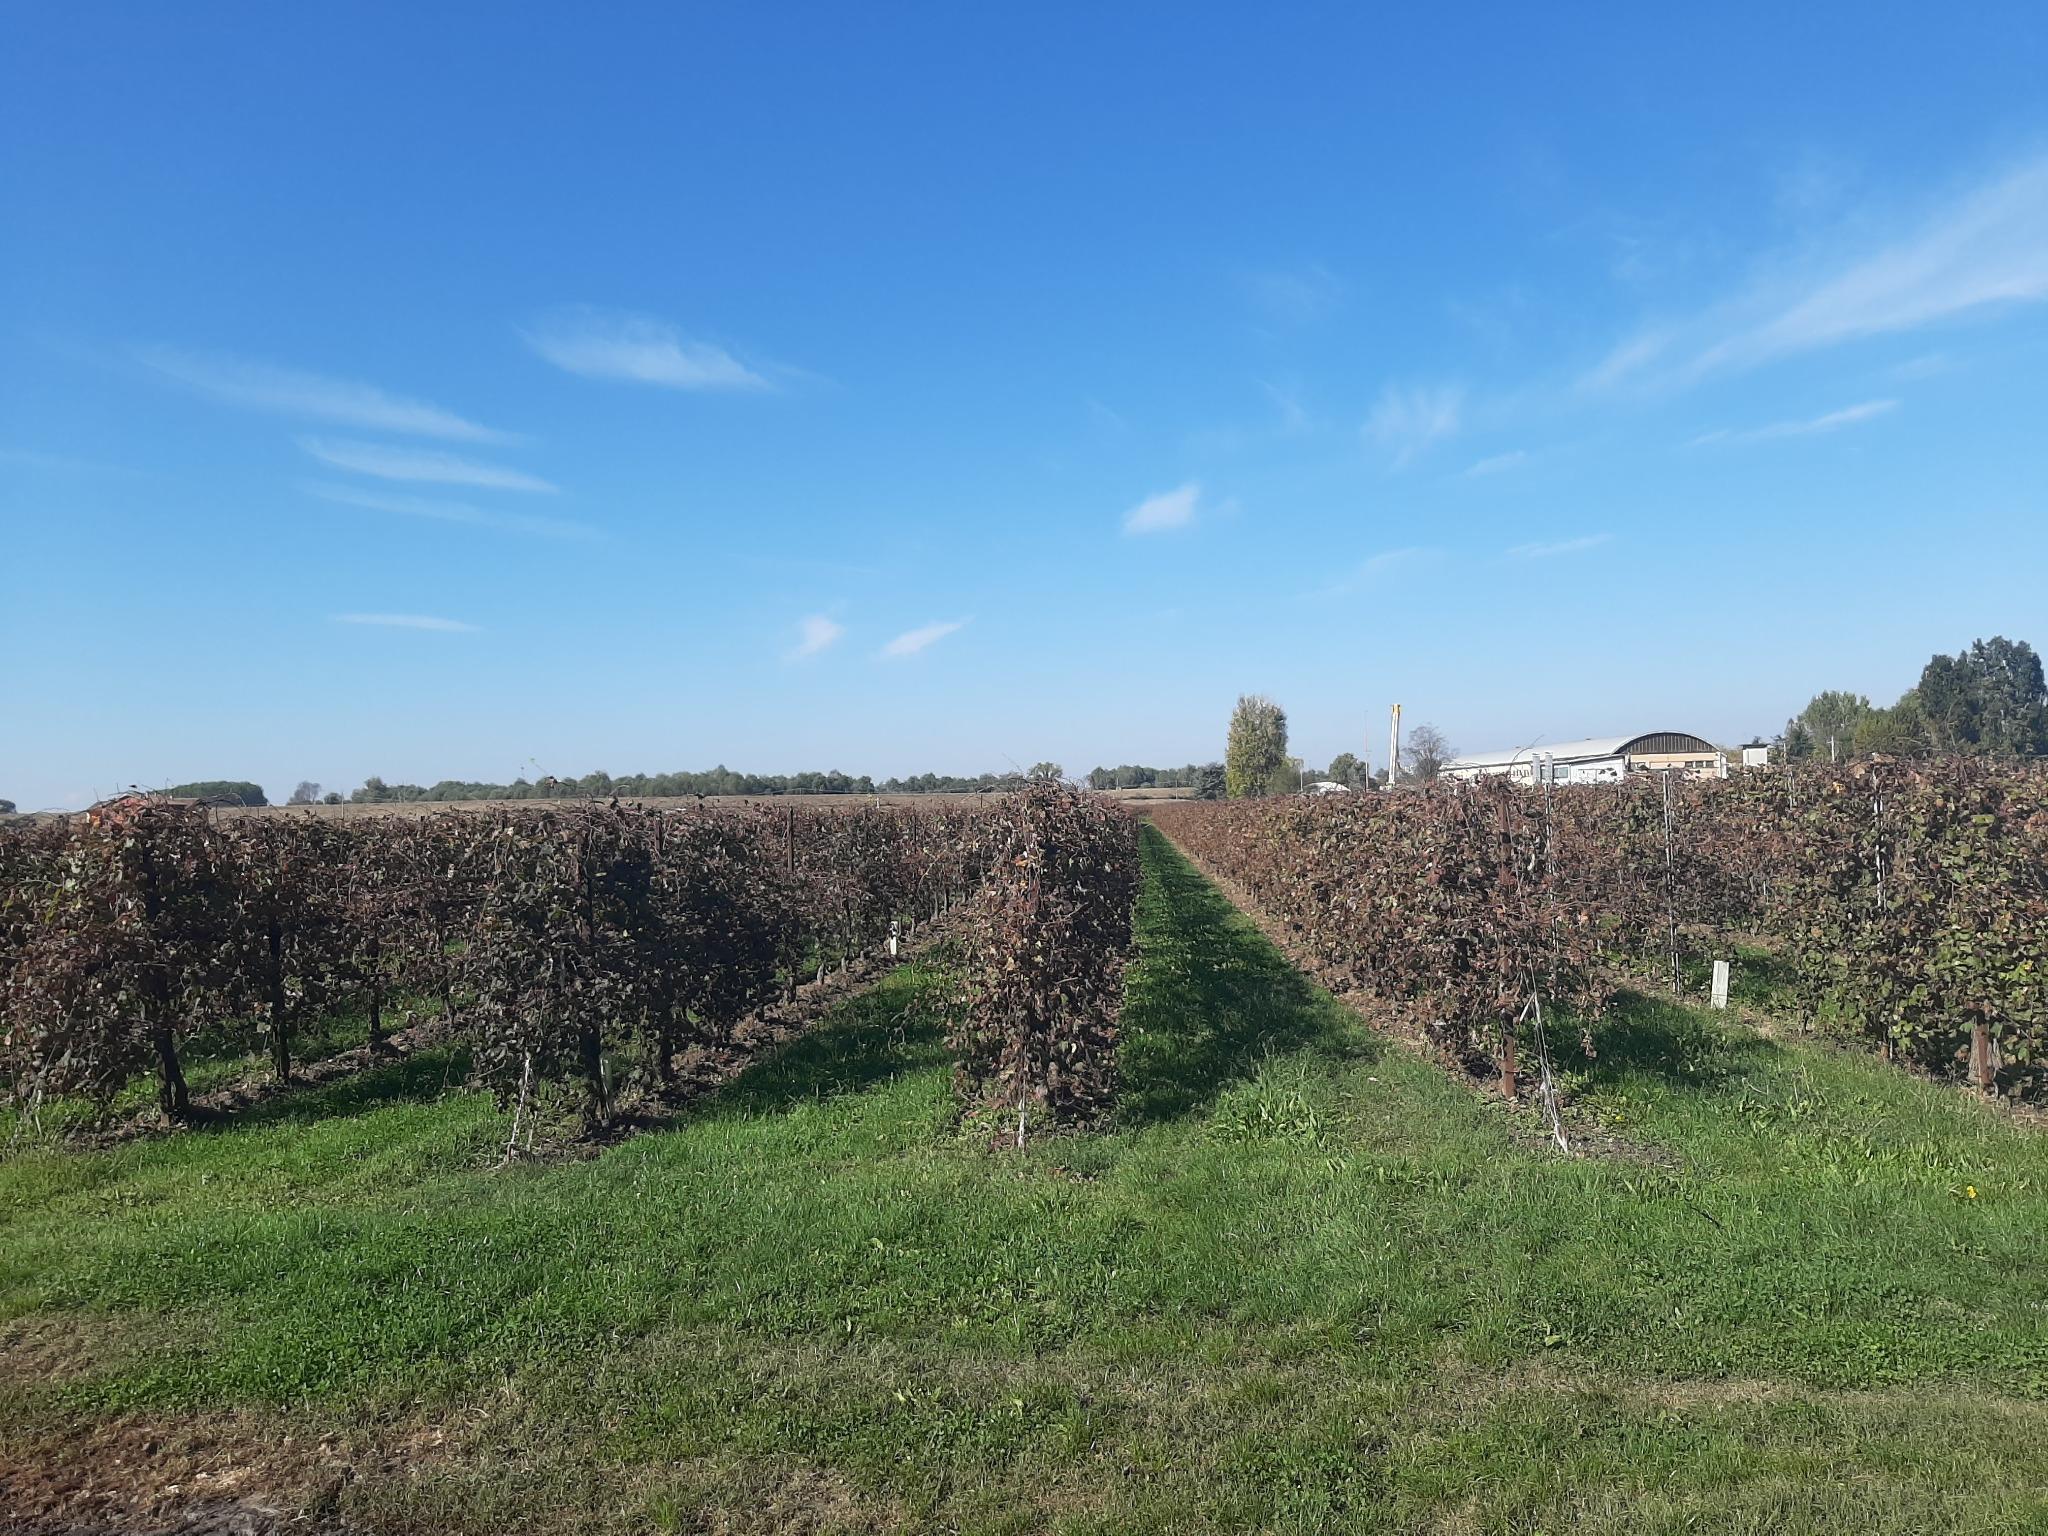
(558, 943)
(1910, 900)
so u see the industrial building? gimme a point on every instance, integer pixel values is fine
(1599, 760)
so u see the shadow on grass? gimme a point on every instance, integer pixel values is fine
(1764, 978)
(1210, 998)
(871, 1038)
(1759, 976)
(422, 1076)
(1644, 1035)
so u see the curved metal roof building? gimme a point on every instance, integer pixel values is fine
(1596, 758)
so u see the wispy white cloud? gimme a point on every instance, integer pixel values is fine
(816, 632)
(311, 396)
(1407, 420)
(641, 349)
(1628, 359)
(1168, 509)
(1376, 568)
(1500, 463)
(1988, 247)
(1294, 418)
(423, 465)
(911, 641)
(1559, 547)
(1833, 421)
(1813, 183)
(1290, 418)
(1106, 419)
(1926, 366)
(1984, 248)
(435, 510)
(1294, 295)
(407, 621)
(1389, 559)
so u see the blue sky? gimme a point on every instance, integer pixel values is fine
(439, 391)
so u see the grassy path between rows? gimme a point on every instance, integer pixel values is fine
(1306, 1283)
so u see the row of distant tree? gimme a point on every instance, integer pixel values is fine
(724, 781)
(1990, 699)
(715, 781)
(1256, 763)
(602, 786)
(1132, 776)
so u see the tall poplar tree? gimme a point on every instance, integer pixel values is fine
(1257, 748)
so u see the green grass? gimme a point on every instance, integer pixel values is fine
(229, 1055)
(1307, 1283)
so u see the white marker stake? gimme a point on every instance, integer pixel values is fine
(1720, 983)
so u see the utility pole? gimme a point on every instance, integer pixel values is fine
(1394, 748)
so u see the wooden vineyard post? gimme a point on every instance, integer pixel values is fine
(1981, 1076)
(1509, 1088)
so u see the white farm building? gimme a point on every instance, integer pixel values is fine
(1599, 760)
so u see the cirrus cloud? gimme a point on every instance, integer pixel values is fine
(816, 632)
(460, 512)
(1374, 569)
(421, 464)
(1407, 420)
(912, 641)
(1498, 464)
(1833, 421)
(639, 349)
(1985, 247)
(1168, 509)
(1559, 547)
(260, 386)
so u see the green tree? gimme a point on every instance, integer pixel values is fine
(1990, 698)
(6, 807)
(1209, 782)
(1047, 771)
(1289, 777)
(2013, 711)
(1346, 769)
(1827, 726)
(220, 791)
(1257, 747)
(1948, 700)
(1900, 731)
